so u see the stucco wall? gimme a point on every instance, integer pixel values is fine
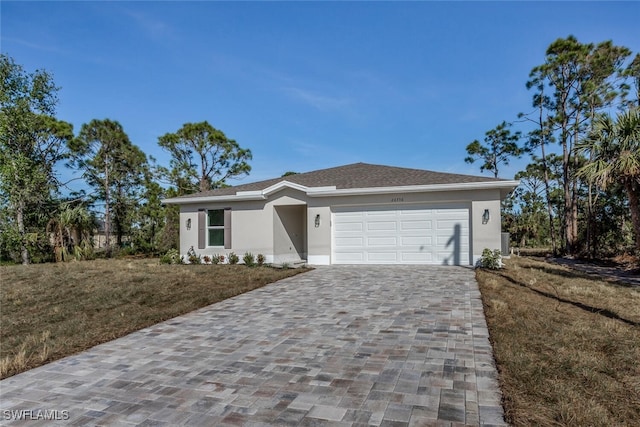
(319, 238)
(188, 237)
(254, 222)
(289, 233)
(485, 235)
(252, 225)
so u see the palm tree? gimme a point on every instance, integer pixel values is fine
(70, 231)
(615, 157)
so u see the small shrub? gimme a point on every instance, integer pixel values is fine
(193, 257)
(78, 253)
(491, 260)
(206, 259)
(125, 251)
(260, 259)
(217, 259)
(88, 252)
(172, 256)
(83, 251)
(233, 258)
(248, 259)
(285, 266)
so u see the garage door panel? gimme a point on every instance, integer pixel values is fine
(449, 224)
(444, 241)
(382, 241)
(415, 225)
(443, 257)
(379, 235)
(352, 216)
(349, 226)
(451, 213)
(382, 225)
(421, 257)
(416, 240)
(350, 257)
(382, 257)
(350, 241)
(415, 212)
(447, 258)
(444, 236)
(377, 212)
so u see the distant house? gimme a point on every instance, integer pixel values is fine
(100, 237)
(354, 214)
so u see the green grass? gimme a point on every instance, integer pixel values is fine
(567, 345)
(48, 311)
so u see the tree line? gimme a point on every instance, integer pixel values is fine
(41, 221)
(580, 192)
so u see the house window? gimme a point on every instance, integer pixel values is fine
(215, 227)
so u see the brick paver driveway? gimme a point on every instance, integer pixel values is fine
(339, 346)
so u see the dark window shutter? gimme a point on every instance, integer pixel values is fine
(202, 229)
(227, 228)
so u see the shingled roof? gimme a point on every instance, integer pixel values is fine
(356, 175)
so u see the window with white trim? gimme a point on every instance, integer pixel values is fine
(215, 227)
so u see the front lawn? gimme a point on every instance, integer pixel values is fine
(48, 311)
(567, 345)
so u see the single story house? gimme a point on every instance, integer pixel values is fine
(354, 214)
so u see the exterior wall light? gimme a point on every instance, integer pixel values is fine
(486, 216)
(188, 224)
(317, 221)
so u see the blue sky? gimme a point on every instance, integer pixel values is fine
(305, 85)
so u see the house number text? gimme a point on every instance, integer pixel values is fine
(397, 199)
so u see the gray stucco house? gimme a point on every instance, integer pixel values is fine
(354, 214)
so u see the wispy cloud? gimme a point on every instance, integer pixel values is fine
(307, 149)
(319, 101)
(316, 93)
(470, 116)
(310, 152)
(31, 45)
(152, 27)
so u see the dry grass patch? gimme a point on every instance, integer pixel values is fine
(567, 345)
(49, 311)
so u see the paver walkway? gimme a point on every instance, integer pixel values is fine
(340, 346)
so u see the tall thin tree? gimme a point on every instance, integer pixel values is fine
(580, 78)
(500, 145)
(32, 142)
(104, 153)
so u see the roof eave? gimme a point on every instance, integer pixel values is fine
(227, 198)
(484, 185)
(504, 186)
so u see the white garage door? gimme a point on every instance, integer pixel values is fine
(411, 235)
